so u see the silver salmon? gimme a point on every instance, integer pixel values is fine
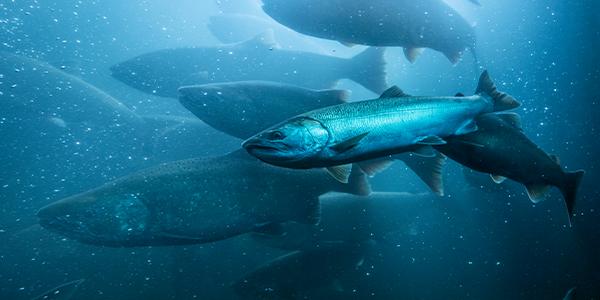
(336, 136)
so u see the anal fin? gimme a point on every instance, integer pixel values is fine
(538, 192)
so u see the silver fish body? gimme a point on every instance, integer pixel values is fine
(358, 131)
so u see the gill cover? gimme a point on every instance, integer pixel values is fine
(290, 141)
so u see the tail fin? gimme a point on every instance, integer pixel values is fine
(569, 190)
(502, 101)
(357, 183)
(368, 68)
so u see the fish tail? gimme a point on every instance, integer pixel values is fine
(569, 189)
(501, 100)
(368, 68)
(357, 183)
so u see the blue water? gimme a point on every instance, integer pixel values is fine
(475, 245)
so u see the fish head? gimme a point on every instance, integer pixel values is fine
(97, 218)
(291, 143)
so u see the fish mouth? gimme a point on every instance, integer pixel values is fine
(254, 146)
(67, 227)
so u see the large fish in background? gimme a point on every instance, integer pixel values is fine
(163, 72)
(194, 201)
(242, 109)
(501, 148)
(336, 136)
(412, 24)
(39, 88)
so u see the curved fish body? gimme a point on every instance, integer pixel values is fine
(244, 108)
(501, 148)
(38, 87)
(193, 201)
(163, 72)
(414, 25)
(358, 131)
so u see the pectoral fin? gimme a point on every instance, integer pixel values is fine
(340, 173)
(538, 192)
(348, 144)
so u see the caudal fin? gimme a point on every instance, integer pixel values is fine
(368, 68)
(569, 190)
(501, 100)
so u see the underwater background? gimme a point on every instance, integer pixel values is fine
(490, 243)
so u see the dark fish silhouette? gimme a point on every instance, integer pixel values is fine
(163, 72)
(40, 88)
(193, 201)
(244, 108)
(499, 147)
(414, 25)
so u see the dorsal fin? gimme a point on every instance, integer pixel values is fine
(393, 92)
(459, 95)
(333, 97)
(263, 39)
(511, 118)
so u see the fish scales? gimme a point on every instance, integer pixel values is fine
(354, 132)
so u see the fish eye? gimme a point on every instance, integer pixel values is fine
(277, 135)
